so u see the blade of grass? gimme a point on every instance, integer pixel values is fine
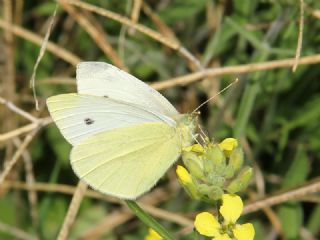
(148, 220)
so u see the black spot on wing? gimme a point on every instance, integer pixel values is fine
(88, 121)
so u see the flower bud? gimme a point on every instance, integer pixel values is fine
(215, 179)
(241, 181)
(236, 159)
(186, 181)
(215, 193)
(214, 159)
(194, 164)
(228, 172)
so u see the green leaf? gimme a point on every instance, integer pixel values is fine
(298, 170)
(313, 224)
(291, 217)
(180, 9)
(54, 218)
(291, 213)
(8, 214)
(46, 9)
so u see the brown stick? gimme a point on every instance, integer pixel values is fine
(96, 33)
(300, 36)
(72, 211)
(17, 156)
(246, 68)
(52, 47)
(283, 196)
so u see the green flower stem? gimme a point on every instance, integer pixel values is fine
(148, 220)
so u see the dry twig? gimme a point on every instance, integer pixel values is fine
(97, 33)
(300, 36)
(283, 196)
(18, 110)
(30, 179)
(51, 47)
(141, 28)
(72, 211)
(41, 54)
(135, 13)
(16, 232)
(17, 156)
(25, 129)
(67, 189)
(239, 69)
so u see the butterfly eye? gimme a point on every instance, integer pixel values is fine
(88, 121)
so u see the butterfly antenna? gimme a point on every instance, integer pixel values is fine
(202, 133)
(195, 139)
(234, 82)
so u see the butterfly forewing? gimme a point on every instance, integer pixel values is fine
(80, 116)
(102, 79)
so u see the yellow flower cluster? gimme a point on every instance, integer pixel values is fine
(213, 169)
(206, 224)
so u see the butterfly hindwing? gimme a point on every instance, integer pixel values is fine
(126, 162)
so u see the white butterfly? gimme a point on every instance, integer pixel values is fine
(125, 135)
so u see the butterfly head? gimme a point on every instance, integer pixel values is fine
(187, 124)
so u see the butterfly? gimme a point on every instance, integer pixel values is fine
(125, 135)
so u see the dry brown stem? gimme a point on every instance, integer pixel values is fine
(72, 211)
(30, 180)
(41, 54)
(96, 32)
(67, 189)
(17, 155)
(283, 196)
(125, 21)
(161, 26)
(16, 232)
(124, 214)
(171, 43)
(239, 69)
(135, 13)
(300, 36)
(25, 129)
(18, 110)
(52, 47)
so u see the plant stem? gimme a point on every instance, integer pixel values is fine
(148, 220)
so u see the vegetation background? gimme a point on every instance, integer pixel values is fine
(195, 48)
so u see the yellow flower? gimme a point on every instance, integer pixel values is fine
(183, 175)
(206, 224)
(228, 144)
(194, 148)
(223, 237)
(244, 231)
(153, 235)
(231, 208)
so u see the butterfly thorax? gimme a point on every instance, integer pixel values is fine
(186, 125)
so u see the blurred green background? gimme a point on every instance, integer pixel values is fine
(274, 113)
